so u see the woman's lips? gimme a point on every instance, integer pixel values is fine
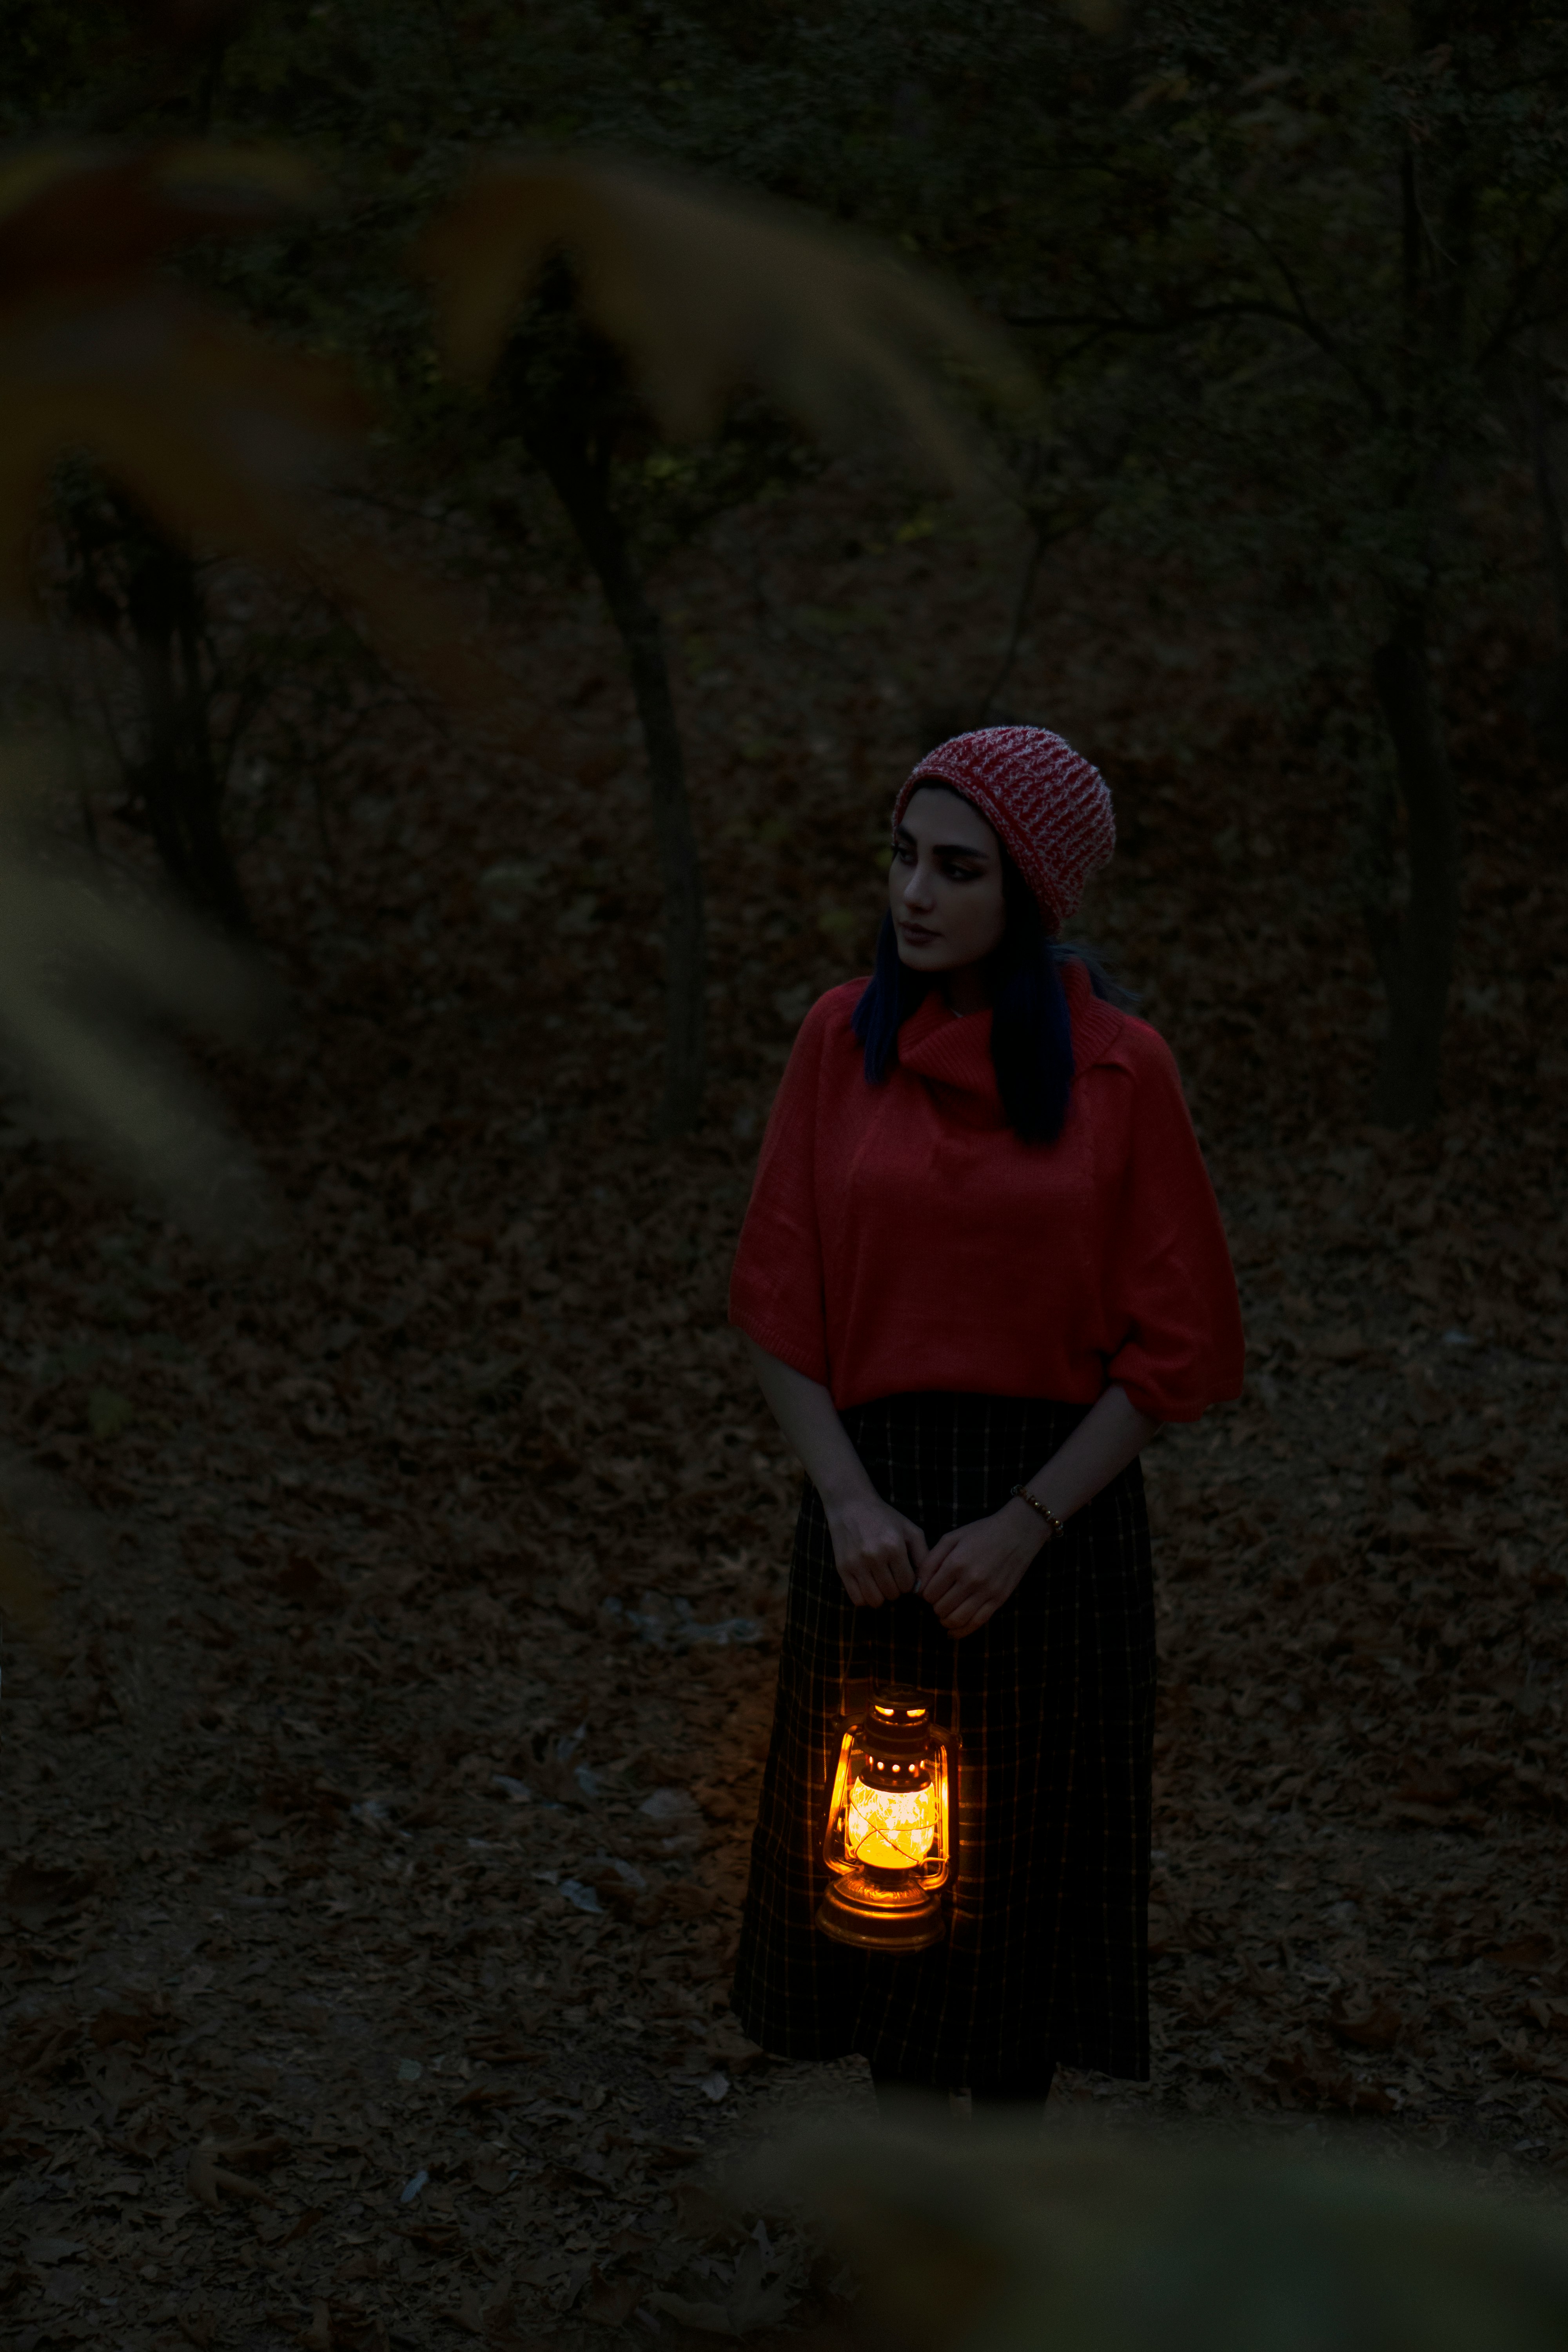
(917, 934)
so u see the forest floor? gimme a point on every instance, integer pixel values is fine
(376, 1804)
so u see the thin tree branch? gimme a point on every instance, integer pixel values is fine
(1047, 530)
(1309, 325)
(1203, 315)
(1513, 308)
(1021, 603)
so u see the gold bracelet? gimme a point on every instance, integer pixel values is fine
(1044, 1510)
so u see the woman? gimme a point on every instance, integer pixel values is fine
(982, 1264)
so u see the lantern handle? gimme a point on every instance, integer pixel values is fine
(951, 1736)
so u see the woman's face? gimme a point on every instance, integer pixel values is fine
(944, 886)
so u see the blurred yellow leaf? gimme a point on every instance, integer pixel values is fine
(223, 184)
(217, 436)
(215, 432)
(85, 977)
(75, 215)
(705, 292)
(218, 433)
(222, 437)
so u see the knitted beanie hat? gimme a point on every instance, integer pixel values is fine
(1049, 807)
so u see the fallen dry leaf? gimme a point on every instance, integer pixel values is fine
(1374, 2028)
(610, 2302)
(209, 2181)
(469, 2312)
(1526, 1952)
(698, 2214)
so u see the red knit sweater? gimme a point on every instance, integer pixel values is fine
(902, 1237)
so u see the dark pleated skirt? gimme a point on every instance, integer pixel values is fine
(1046, 1956)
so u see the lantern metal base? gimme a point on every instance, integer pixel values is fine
(877, 1925)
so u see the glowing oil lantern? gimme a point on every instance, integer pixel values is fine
(890, 1842)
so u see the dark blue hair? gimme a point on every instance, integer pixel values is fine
(1031, 1035)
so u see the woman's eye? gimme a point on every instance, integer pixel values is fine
(962, 873)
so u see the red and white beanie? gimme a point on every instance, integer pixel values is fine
(1049, 805)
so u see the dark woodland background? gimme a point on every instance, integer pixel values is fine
(379, 1776)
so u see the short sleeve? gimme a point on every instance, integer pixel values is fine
(776, 1291)
(1172, 1290)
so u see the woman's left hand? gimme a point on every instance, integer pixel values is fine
(969, 1573)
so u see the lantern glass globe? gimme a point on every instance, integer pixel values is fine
(888, 1846)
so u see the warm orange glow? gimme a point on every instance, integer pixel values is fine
(888, 1844)
(890, 1829)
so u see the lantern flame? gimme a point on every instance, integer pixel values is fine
(890, 1829)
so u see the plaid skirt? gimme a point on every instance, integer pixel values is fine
(1046, 1957)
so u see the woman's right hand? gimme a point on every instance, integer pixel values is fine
(878, 1552)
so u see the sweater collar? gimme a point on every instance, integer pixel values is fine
(938, 1045)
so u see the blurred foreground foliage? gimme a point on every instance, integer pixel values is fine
(216, 433)
(998, 2241)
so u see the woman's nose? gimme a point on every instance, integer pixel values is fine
(917, 890)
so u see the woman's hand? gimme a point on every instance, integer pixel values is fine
(878, 1552)
(969, 1573)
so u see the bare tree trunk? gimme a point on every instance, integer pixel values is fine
(1041, 536)
(1551, 708)
(1415, 949)
(579, 481)
(176, 776)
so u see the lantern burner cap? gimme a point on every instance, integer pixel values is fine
(899, 1725)
(896, 1704)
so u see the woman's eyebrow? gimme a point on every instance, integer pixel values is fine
(942, 848)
